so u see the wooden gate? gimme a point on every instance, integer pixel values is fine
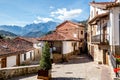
(3, 62)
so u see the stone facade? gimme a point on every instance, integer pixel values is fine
(6, 73)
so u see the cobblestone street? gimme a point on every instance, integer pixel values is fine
(78, 68)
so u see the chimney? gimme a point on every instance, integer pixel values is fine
(93, 1)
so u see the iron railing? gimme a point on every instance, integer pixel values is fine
(101, 38)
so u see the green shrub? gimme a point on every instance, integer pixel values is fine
(45, 62)
(118, 60)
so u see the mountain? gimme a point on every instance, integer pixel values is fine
(44, 27)
(14, 29)
(73, 20)
(6, 33)
(34, 34)
(31, 28)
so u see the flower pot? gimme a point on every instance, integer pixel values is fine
(44, 74)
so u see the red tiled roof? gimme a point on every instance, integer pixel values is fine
(69, 23)
(31, 40)
(112, 5)
(8, 47)
(57, 36)
(64, 31)
(104, 5)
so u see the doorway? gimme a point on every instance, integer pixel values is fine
(4, 61)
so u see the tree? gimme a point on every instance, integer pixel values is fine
(2, 37)
(45, 62)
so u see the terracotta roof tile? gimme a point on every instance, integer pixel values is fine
(8, 47)
(112, 5)
(64, 31)
(52, 37)
(105, 5)
(31, 40)
(69, 24)
(58, 36)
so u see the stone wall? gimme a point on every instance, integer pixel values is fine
(6, 73)
(57, 58)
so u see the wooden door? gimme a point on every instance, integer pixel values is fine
(18, 60)
(105, 57)
(4, 62)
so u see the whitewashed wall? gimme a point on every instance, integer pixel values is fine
(21, 58)
(11, 61)
(67, 47)
(93, 11)
(37, 45)
(28, 55)
(33, 54)
(100, 11)
(114, 26)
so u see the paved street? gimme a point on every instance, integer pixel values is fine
(78, 68)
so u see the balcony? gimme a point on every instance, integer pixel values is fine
(101, 40)
(95, 39)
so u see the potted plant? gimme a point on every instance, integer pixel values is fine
(45, 63)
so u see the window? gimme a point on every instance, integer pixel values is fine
(24, 56)
(82, 32)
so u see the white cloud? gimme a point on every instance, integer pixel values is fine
(42, 19)
(64, 14)
(51, 7)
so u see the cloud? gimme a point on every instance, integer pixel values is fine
(42, 19)
(64, 14)
(51, 7)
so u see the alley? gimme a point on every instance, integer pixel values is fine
(78, 68)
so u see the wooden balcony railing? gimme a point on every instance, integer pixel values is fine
(100, 39)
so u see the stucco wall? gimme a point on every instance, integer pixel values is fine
(67, 47)
(21, 58)
(94, 11)
(11, 61)
(114, 26)
(81, 35)
(98, 54)
(28, 55)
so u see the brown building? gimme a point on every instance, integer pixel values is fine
(66, 39)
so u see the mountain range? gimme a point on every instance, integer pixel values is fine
(31, 30)
(6, 33)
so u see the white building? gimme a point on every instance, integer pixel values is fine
(104, 30)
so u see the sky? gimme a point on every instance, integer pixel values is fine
(23, 12)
